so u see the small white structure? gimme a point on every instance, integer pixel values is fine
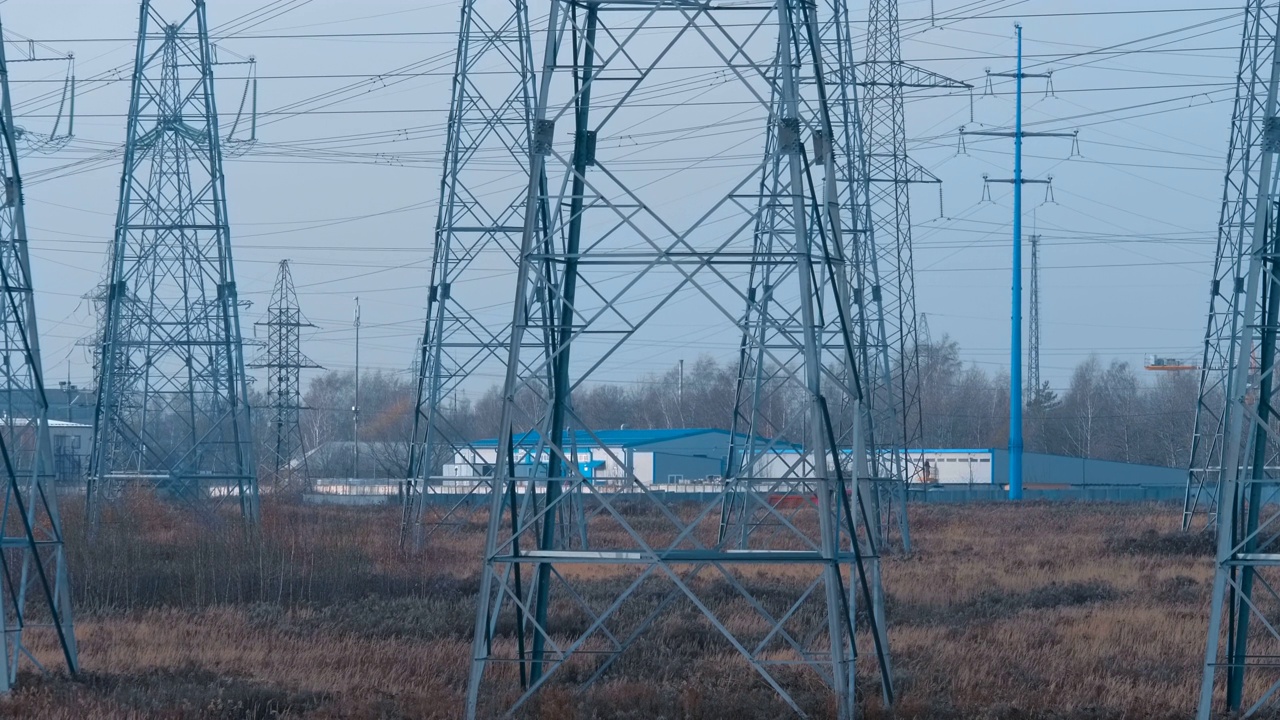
(71, 445)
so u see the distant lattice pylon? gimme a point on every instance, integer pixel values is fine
(33, 572)
(1033, 324)
(172, 411)
(286, 462)
(894, 395)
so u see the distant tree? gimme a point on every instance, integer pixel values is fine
(604, 406)
(1121, 398)
(1169, 418)
(386, 421)
(1106, 411)
(1079, 415)
(1041, 403)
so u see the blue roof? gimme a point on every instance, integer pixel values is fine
(612, 438)
(941, 450)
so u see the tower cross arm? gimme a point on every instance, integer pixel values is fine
(1019, 75)
(1025, 134)
(910, 76)
(1023, 181)
(917, 173)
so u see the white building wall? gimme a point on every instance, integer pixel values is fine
(959, 467)
(643, 466)
(950, 467)
(613, 470)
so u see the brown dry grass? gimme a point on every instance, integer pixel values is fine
(1040, 611)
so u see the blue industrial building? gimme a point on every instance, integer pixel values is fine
(662, 456)
(698, 455)
(990, 466)
(982, 474)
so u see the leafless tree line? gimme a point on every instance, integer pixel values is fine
(1106, 410)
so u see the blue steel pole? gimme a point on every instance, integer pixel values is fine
(1015, 349)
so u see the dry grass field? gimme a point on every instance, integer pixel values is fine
(1065, 611)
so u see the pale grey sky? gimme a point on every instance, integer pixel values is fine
(349, 193)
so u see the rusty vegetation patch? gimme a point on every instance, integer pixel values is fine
(1172, 544)
(1060, 612)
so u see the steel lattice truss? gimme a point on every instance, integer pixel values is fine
(477, 242)
(284, 362)
(624, 251)
(760, 394)
(895, 400)
(1235, 227)
(1033, 320)
(1242, 429)
(34, 587)
(172, 410)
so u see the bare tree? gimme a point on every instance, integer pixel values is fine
(1107, 412)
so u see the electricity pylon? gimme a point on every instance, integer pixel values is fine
(894, 397)
(477, 238)
(35, 589)
(1240, 363)
(1240, 202)
(1018, 181)
(626, 250)
(847, 194)
(1033, 321)
(172, 407)
(284, 362)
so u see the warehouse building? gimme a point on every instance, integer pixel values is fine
(700, 455)
(1040, 471)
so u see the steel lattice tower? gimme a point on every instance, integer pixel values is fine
(172, 409)
(1240, 362)
(477, 236)
(35, 587)
(284, 362)
(895, 400)
(1240, 202)
(616, 259)
(847, 188)
(1033, 320)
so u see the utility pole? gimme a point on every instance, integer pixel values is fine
(70, 391)
(172, 409)
(1015, 318)
(680, 393)
(355, 408)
